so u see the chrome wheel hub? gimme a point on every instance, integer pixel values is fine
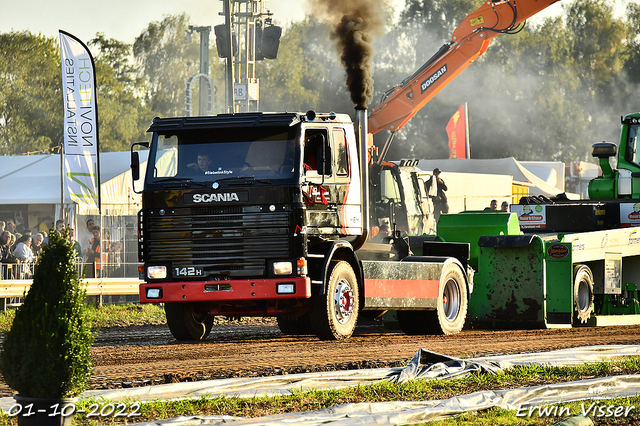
(343, 301)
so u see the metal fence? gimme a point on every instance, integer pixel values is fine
(16, 280)
(16, 271)
(107, 270)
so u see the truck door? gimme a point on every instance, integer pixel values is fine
(319, 183)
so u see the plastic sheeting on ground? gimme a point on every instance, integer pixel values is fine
(424, 364)
(407, 412)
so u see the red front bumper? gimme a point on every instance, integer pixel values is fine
(228, 291)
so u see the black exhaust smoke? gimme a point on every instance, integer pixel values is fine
(355, 23)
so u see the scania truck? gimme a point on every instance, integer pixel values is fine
(285, 214)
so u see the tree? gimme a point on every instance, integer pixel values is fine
(123, 117)
(424, 27)
(30, 94)
(291, 82)
(47, 351)
(31, 99)
(164, 57)
(632, 66)
(440, 17)
(546, 93)
(598, 51)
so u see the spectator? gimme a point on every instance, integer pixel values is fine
(76, 245)
(6, 254)
(60, 225)
(12, 242)
(36, 244)
(112, 256)
(131, 251)
(436, 193)
(46, 223)
(23, 250)
(492, 206)
(20, 226)
(93, 254)
(85, 241)
(505, 206)
(11, 226)
(2, 226)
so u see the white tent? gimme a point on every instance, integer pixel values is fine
(503, 166)
(35, 179)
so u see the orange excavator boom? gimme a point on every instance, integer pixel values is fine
(469, 40)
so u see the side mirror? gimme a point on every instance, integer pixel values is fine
(135, 165)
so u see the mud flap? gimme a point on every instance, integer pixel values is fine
(558, 284)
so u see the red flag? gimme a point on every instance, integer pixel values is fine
(456, 129)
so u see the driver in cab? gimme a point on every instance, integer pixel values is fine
(202, 165)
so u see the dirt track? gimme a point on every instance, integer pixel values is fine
(136, 356)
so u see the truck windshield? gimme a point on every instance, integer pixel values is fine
(218, 154)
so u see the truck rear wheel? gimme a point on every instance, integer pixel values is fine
(188, 321)
(451, 311)
(334, 314)
(582, 293)
(295, 326)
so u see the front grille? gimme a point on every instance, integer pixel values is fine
(223, 241)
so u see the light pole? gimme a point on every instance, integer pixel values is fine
(206, 86)
(247, 36)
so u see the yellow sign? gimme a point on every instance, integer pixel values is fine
(476, 21)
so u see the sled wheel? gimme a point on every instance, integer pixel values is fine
(451, 311)
(582, 293)
(335, 313)
(188, 321)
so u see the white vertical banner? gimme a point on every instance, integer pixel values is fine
(81, 162)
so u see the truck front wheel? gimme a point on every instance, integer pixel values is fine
(335, 313)
(451, 308)
(188, 321)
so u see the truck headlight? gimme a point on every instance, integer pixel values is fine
(157, 272)
(283, 268)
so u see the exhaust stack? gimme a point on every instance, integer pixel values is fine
(362, 135)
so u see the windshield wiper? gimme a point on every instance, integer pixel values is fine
(183, 180)
(243, 180)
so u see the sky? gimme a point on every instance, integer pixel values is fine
(124, 20)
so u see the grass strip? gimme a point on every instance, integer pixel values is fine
(107, 316)
(102, 412)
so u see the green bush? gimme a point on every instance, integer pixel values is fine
(47, 351)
